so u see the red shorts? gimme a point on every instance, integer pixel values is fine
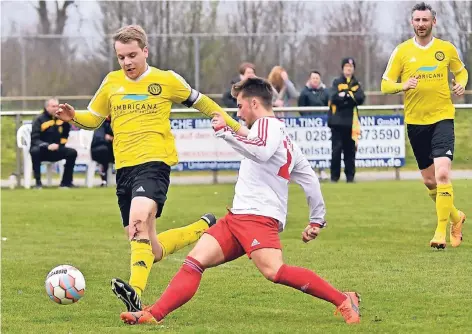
(239, 234)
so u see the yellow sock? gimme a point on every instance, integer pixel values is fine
(444, 204)
(177, 238)
(455, 217)
(142, 259)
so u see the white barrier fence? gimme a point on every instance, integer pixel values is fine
(382, 142)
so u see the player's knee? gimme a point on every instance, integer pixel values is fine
(270, 272)
(442, 175)
(430, 182)
(138, 227)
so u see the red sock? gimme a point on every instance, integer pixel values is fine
(308, 282)
(180, 290)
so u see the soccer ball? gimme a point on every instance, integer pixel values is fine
(65, 285)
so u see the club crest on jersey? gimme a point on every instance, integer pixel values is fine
(439, 55)
(154, 89)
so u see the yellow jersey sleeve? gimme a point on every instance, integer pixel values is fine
(180, 90)
(457, 67)
(394, 66)
(99, 103)
(455, 64)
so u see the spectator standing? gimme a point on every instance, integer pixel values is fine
(343, 119)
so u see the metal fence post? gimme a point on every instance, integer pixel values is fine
(196, 55)
(24, 107)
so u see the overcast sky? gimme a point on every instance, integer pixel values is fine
(86, 13)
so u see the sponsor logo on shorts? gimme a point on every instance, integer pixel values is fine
(305, 287)
(449, 152)
(255, 243)
(140, 190)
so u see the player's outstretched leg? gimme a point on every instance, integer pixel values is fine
(177, 238)
(269, 262)
(207, 253)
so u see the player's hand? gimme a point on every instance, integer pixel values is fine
(217, 122)
(410, 84)
(53, 147)
(457, 88)
(108, 137)
(65, 112)
(310, 233)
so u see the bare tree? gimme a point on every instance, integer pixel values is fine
(458, 29)
(60, 17)
(354, 17)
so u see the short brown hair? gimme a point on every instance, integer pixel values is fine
(131, 33)
(244, 66)
(423, 7)
(255, 87)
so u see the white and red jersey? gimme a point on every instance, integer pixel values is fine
(270, 161)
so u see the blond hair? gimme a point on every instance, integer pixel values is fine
(131, 33)
(275, 78)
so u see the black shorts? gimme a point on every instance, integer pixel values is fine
(431, 141)
(150, 180)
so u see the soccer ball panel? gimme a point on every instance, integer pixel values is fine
(59, 292)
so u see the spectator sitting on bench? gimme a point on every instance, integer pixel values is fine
(48, 138)
(102, 148)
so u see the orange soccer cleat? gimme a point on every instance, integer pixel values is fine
(349, 309)
(438, 241)
(455, 232)
(138, 318)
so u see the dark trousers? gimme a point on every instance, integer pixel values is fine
(103, 154)
(42, 153)
(342, 142)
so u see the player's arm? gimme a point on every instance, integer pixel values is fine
(189, 97)
(96, 112)
(304, 175)
(461, 76)
(261, 144)
(390, 77)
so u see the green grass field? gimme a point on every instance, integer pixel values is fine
(377, 243)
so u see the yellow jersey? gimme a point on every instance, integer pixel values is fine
(430, 101)
(140, 111)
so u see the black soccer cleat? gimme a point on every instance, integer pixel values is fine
(209, 218)
(126, 294)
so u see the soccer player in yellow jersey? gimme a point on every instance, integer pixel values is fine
(422, 63)
(139, 98)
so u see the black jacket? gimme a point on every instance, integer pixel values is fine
(99, 134)
(341, 108)
(311, 97)
(228, 100)
(49, 130)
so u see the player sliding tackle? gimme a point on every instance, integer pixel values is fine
(139, 98)
(258, 213)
